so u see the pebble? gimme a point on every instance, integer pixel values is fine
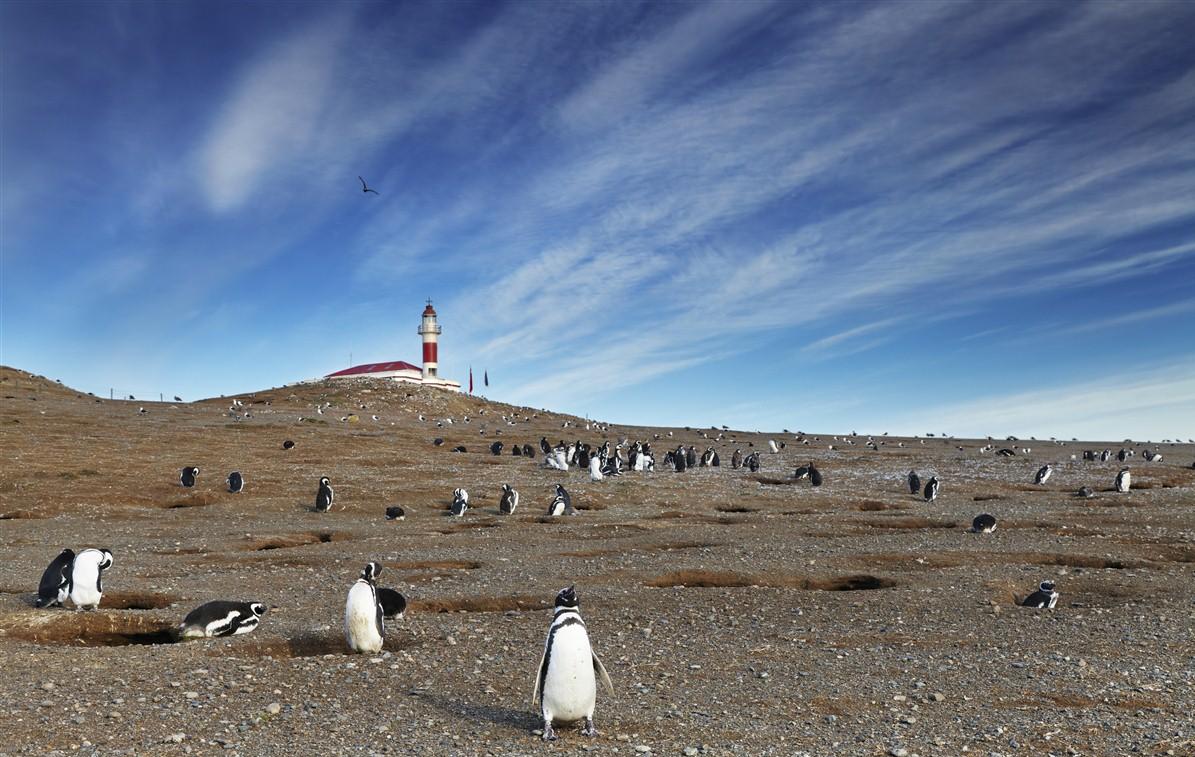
(898, 752)
(937, 696)
(690, 751)
(175, 738)
(642, 748)
(273, 708)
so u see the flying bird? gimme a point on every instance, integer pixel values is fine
(365, 187)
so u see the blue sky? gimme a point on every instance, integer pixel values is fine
(910, 217)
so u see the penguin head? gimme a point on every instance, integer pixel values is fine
(257, 608)
(1047, 586)
(559, 490)
(195, 471)
(505, 487)
(105, 559)
(567, 597)
(371, 571)
(324, 481)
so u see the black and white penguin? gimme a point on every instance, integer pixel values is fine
(1085, 492)
(364, 621)
(288, 444)
(395, 513)
(736, 460)
(85, 580)
(815, 476)
(772, 447)
(1124, 480)
(236, 482)
(595, 469)
(516, 450)
(528, 452)
(1122, 455)
(324, 496)
(983, 524)
(562, 503)
(509, 500)
(460, 502)
(221, 618)
(691, 457)
(566, 682)
(438, 442)
(52, 589)
(394, 604)
(496, 448)
(584, 457)
(1043, 474)
(680, 459)
(461, 449)
(707, 457)
(1044, 597)
(931, 489)
(613, 466)
(715, 461)
(1105, 456)
(544, 446)
(914, 482)
(751, 462)
(187, 477)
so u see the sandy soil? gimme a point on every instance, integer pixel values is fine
(737, 613)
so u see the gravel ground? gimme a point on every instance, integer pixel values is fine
(737, 613)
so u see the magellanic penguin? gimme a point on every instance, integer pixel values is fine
(187, 477)
(396, 512)
(393, 603)
(509, 500)
(772, 447)
(1044, 598)
(752, 462)
(460, 502)
(324, 496)
(221, 618)
(736, 460)
(1043, 474)
(52, 589)
(595, 469)
(364, 623)
(815, 476)
(85, 581)
(983, 524)
(1085, 492)
(914, 482)
(235, 482)
(1124, 480)
(566, 682)
(931, 489)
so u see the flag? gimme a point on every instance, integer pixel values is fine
(487, 378)
(470, 379)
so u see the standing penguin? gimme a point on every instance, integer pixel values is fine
(509, 501)
(460, 502)
(187, 477)
(815, 476)
(544, 446)
(324, 496)
(85, 584)
(772, 447)
(595, 469)
(364, 623)
(221, 618)
(691, 457)
(52, 589)
(235, 482)
(931, 489)
(496, 448)
(566, 682)
(914, 482)
(736, 460)
(1044, 598)
(527, 451)
(1124, 480)
(562, 504)
(1043, 474)
(752, 462)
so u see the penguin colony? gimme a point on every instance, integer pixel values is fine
(565, 688)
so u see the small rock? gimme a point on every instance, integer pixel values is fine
(642, 748)
(175, 738)
(690, 751)
(273, 708)
(898, 752)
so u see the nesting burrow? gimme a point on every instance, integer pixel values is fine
(701, 579)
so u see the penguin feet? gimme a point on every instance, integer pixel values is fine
(549, 733)
(589, 730)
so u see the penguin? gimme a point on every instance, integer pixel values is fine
(509, 500)
(691, 457)
(680, 459)
(496, 448)
(187, 477)
(1043, 474)
(461, 448)
(544, 446)
(396, 513)
(983, 524)
(707, 457)
(528, 452)
(288, 444)
(584, 458)
(815, 476)
(566, 682)
(1085, 492)
(1105, 455)
(715, 461)
(516, 450)
(52, 589)
(613, 466)
(914, 482)
(1124, 480)
(801, 472)
(562, 504)
(595, 469)
(736, 460)
(221, 618)
(1122, 455)
(85, 580)
(772, 447)
(1044, 597)
(324, 496)
(364, 620)
(752, 462)
(460, 502)
(235, 482)
(931, 489)
(394, 604)
(438, 442)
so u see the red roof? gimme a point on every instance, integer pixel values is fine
(360, 370)
(429, 310)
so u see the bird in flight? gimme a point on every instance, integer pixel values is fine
(365, 187)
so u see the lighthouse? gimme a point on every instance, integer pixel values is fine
(430, 331)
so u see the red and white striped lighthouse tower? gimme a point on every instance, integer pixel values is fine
(430, 331)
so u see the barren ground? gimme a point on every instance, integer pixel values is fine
(737, 613)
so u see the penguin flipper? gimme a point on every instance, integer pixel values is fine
(540, 674)
(600, 669)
